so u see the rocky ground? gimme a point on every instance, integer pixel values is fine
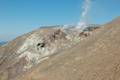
(59, 53)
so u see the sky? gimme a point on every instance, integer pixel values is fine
(21, 16)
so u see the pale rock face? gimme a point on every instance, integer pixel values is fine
(32, 40)
(38, 46)
(32, 56)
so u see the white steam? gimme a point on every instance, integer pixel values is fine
(86, 7)
(85, 10)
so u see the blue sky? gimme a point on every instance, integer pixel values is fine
(20, 16)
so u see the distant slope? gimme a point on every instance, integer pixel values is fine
(95, 58)
(2, 43)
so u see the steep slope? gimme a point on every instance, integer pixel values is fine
(27, 51)
(95, 58)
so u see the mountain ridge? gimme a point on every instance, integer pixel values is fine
(71, 55)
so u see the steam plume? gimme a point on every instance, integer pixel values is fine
(86, 6)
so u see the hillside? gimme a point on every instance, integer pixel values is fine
(96, 58)
(63, 54)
